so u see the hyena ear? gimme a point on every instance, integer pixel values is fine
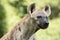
(47, 10)
(31, 8)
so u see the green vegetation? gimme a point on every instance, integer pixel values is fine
(11, 11)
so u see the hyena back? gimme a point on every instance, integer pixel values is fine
(35, 20)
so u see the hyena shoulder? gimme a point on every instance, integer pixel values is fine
(22, 21)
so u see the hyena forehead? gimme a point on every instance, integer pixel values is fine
(39, 13)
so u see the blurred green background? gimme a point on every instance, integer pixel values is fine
(11, 11)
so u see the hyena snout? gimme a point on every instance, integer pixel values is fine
(43, 22)
(45, 25)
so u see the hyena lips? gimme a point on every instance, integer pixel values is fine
(41, 16)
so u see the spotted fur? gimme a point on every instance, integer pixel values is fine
(26, 28)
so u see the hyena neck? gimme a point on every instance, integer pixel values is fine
(24, 30)
(29, 28)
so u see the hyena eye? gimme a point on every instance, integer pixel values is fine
(39, 16)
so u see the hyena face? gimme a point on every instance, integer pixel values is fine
(40, 16)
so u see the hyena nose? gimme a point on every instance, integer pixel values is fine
(46, 24)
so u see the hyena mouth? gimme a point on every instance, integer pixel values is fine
(43, 26)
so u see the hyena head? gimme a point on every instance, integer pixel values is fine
(40, 16)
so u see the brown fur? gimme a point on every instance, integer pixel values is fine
(5, 37)
(11, 35)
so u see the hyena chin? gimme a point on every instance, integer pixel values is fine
(36, 19)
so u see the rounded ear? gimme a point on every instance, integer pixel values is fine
(31, 8)
(47, 10)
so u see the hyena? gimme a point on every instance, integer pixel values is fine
(28, 26)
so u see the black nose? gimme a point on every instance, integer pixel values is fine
(46, 24)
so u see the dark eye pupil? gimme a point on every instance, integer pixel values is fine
(39, 16)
